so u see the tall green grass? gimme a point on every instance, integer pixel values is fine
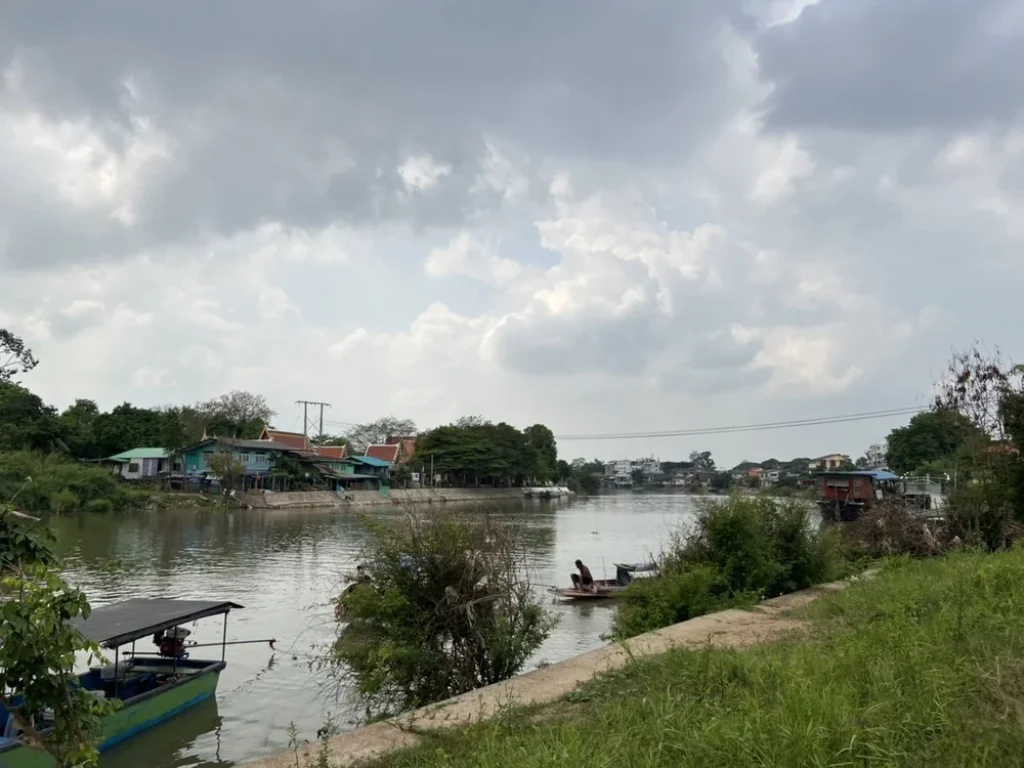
(739, 551)
(922, 666)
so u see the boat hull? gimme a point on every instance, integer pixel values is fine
(137, 715)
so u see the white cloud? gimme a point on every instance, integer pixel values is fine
(422, 172)
(149, 378)
(465, 255)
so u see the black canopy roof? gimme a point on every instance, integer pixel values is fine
(120, 623)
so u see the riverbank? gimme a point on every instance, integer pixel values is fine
(919, 666)
(550, 684)
(397, 497)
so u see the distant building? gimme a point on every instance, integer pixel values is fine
(143, 464)
(875, 455)
(828, 462)
(388, 453)
(406, 447)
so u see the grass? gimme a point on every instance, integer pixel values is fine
(922, 666)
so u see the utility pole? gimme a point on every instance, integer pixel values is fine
(307, 422)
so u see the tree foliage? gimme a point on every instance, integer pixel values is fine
(227, 469)
(377, 432)
(448, 611)
(38, 647)
(930, 436)
(473, 452)
(15, 357)
(702, 460)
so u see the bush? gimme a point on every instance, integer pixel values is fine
(99, 506)
(64, 501)
(448, 610)
(741, 550)
(55, 479)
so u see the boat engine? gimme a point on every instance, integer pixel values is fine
(171, 642)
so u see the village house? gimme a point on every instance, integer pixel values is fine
(828, 463)
(143, 464)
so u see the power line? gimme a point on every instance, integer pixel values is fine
(749, 427)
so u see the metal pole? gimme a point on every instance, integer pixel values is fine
(224, 639)
(117, 660)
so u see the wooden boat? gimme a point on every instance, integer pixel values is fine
(152, 687)
(606, 589)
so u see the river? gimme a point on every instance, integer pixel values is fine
(282, 565)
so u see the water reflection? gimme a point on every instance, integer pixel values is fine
(285, 565)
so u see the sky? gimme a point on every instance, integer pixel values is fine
(600, 216)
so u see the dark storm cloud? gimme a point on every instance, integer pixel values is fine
(891, 65)
(254, 97)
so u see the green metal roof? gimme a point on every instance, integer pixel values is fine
(136, 454)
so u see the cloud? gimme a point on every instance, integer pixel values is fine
(421, 172)
(715, 213)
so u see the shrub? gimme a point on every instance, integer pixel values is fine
(99, 506)
(64, 501)
(53, 478)
(448, 610)
(740, 550)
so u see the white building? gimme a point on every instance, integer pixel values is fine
(876, 455)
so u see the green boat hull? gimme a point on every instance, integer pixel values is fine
(132, 719)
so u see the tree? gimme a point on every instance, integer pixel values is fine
(78, 429)
(638, 476)
(721, 481)
(237, 414)
(929, 436)
(227, 469)
(448, 611)
(542, 441)
(377, 432)
(26, 423)
(15, 357)
(702, 460)
(38, 646)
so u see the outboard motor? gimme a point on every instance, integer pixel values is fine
(171, 642)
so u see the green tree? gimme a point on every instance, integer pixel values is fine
(78, 429)
(38, 646)
(721, 481)
(702, 460)
(542, 441)
(638, 476)
(15, 357)
(227, 469)
(448, 611)
(929, 437)
(26, 423)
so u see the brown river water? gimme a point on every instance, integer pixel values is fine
(283, 565)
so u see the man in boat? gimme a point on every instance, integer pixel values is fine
(362, 579)
(583, 580)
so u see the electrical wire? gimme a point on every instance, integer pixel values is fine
(842, 419)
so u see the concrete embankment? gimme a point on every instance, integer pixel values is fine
(399, 496)
(731, 628)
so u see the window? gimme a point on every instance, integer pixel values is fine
(207, 455)
(261, 458)
(244, 458)
(176, 466)
(133, 467)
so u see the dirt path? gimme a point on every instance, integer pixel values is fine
(727, 629)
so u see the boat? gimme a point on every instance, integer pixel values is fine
(151, 687)
(606, 589)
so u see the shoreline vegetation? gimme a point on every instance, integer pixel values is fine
(918, 666)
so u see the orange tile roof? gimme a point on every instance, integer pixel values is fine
(333, 451)
(295, 440)
(383, 452)
(406, 443)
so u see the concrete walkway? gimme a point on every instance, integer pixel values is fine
(729, 629)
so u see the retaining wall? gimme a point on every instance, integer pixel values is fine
(398, 496)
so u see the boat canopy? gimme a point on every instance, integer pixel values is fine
(874, 474)
(119, 623)
(636, 567)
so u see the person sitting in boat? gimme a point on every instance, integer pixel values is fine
(362, 579)
(583, 580)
